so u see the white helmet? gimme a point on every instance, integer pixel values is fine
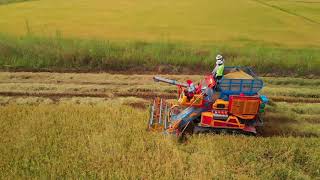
(219, 59)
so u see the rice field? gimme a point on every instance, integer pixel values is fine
(80, 125)
(274, 37)
(89, 121)
(287, 23)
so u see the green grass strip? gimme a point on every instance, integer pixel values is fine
(62, 54)
(11, 1)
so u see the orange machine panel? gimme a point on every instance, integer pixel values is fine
(220, 104)
(245, 106)
(206, 118)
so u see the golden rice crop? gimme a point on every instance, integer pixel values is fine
(109, 140)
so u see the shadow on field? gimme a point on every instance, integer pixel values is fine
(281, 125)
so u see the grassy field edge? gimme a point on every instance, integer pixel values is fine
(4, 2)
(60, 54)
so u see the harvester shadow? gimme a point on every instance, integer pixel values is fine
(282, 126)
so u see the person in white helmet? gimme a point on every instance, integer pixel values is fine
(219, 68)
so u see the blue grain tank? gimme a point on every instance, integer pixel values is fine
(239, 80)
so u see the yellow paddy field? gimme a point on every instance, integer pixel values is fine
(289, 23)
(93, 125)
(75, 125)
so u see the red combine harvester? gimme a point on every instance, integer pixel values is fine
(231, 105)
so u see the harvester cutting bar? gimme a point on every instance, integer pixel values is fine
(151, 115)
(165, 117)
(158, 115)
(169, 81)
(160, 112)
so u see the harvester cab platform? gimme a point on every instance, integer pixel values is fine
(231, 104)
